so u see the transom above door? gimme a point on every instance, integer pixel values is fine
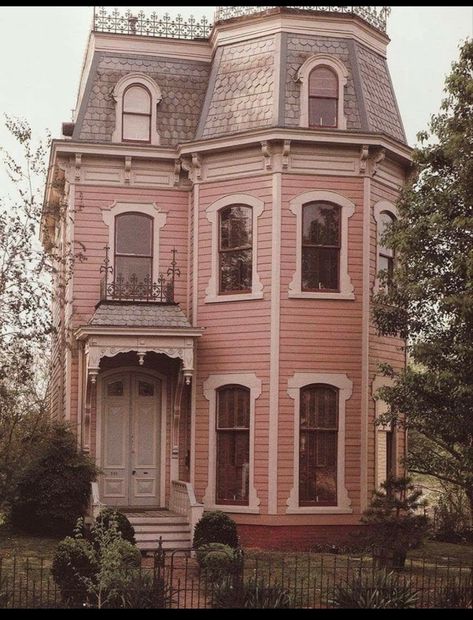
(131, 443)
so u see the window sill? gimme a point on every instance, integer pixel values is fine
(213, 299)
(310, 295)
(236, 509)
(319, 510)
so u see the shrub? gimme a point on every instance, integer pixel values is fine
(253, 594)
(455, 596)
(53, 490)
(394, 526)
(452, 517)
(141, 590)
(107, 515)
(215, 527)
(219, 561)
(377, 591)
(74, 563)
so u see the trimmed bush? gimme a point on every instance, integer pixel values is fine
(215, 527)
(53, 490)
(74, 563)
(141, 590)
(107, 515)
(253, 594)
(377, 591)
(219, 561)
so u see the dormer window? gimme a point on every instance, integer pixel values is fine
(136, 123)
(323, 97)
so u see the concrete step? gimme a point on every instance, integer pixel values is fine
(157, 520)
(174, 527)
(185, 534)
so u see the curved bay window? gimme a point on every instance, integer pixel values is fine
(233, 445)
(136, 122)
(318, 446)
(133, 247)
(320, 247)
(385, 254)
(323, 97)
(235, 249)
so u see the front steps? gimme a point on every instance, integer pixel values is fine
(150, 525)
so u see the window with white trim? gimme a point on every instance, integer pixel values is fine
(136, 98)
(323, 78)
(385, 213)
(321, 246)
(234, 249)
(134, 248)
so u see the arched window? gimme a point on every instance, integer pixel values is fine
(134, 247)
(235, 249)
(233, 445)
(385, 254)
(320, 247)
(136, 111)
(323, 97)
(318, 445)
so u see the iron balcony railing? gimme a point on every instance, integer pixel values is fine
(156, 25)
(117, 288)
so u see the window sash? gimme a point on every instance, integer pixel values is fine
(317, 475)
(322, 110)
(314, 268)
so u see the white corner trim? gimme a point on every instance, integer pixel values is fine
(250, 381)
(303, 76)
(345, 387)
(347, 210)
(212, 291)
(150, 209)
(380, 207)
(118, 91)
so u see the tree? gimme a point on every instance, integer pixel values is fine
(430, 298)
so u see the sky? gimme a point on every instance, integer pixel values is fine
(42, 51)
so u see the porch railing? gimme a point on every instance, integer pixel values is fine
(183, 502)
(95, 505)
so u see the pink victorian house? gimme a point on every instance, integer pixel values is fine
(227, 186)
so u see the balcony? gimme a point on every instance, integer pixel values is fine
(114, 287)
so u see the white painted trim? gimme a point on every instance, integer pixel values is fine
(345, 387)
(140, 79)
(274, 345)
(257, 206)
(210, 387)
(303, 76)
(164, 414)
(378, 382)
(380, 207)
(150, 209)
(347, 210)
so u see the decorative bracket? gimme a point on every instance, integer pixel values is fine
(127, 169)
(364, 153)
(266, 151)
(78, 163)
(377, 159)
(177, 171)
(197, 165)
(286, 150)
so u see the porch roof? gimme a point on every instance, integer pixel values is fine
(122, 314)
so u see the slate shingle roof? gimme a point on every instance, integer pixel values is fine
(138, 315)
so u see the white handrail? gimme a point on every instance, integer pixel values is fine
(95, 504)
(183, 502)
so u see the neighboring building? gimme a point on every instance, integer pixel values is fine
(268, 152)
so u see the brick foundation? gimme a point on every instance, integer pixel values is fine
(296, 537)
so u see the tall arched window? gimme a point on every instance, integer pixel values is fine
(136, 120)
(318, 446)
(385, 254)
(320, 247)
(235, 249)
(323, 97)
(134, 247)
(233, 445)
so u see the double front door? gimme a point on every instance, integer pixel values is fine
(130, 446)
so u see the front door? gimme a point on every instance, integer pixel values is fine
(131, 415)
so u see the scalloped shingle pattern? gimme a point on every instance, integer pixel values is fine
(138, 315)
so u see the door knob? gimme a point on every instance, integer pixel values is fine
(133, 472)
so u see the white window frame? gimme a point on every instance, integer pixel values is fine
(381, 207)
(140, 79)
(347, 209)
(344, 385)
(380, 407)
(303, 76)
(150, 209)
(212, 291)
(210, 387)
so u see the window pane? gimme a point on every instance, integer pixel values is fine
(133, 234)
(318, 468)
(321, 224)
(323, 82)
(115, 388)
(385, 220)
(322, 112)
(235, 227)
(128, 266)
(236, 271)
(137, 99)
(136, 127)
(233, 408)
(232, 467)
(320, 267)
(145, 388)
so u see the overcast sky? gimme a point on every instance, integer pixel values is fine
(42, 50)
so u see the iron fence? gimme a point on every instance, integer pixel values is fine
(308, 580)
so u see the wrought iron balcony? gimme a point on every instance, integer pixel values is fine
(133, 290)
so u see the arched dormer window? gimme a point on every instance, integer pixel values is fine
(137, 97)
(322, 79)
(136, 115)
